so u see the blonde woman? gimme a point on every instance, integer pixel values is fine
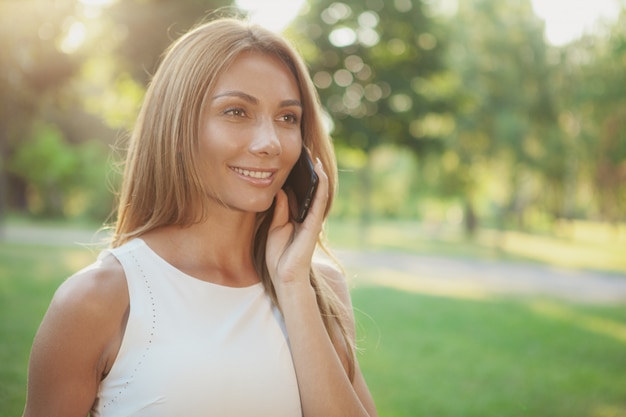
(208, 302)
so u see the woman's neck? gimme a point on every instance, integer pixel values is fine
(217, 250)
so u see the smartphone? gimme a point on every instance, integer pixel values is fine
(301, 184)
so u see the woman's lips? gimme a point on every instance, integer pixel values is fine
(260, 175)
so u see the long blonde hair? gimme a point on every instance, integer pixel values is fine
(161, 183)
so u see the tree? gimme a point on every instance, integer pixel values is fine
(32, 71)
(506, 111)
(80, 72)
(369, 60)
(594, 89)
(147, 27)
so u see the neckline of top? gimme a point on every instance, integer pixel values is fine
(168, 265)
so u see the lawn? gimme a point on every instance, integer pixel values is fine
(430, 356)
(422, 355)
(28, 277)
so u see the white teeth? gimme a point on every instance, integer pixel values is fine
(253, 174)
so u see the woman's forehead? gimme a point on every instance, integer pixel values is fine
(256, 73)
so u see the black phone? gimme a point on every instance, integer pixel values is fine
(301, 184)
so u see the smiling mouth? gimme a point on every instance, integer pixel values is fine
(252, 174)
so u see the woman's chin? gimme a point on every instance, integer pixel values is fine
(259, 207)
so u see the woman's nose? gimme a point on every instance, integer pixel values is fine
(265, 141)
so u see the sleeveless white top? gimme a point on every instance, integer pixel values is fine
(193, 348)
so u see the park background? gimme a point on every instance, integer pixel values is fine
(461, 131)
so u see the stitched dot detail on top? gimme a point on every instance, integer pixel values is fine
(153, 312)
(187, 350)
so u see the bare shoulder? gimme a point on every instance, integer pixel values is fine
(94, 301)
(98, 286)
(77, 341)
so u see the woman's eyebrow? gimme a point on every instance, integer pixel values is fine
(239, 94)
(289, 103)
(254, 100)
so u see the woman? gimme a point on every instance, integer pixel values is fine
(208, 302)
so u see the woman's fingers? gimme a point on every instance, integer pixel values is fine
(320, 200)
(290, 246)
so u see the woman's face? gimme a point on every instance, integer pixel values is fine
(250, 132)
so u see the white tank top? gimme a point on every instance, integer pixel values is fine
(193, 348)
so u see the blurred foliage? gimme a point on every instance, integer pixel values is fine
(368, 60)
(40, 106)
(505, 110)
(49, 165)
(466, 110)
(63, 179)
(147, 27)
(77, 72)
(593, 85)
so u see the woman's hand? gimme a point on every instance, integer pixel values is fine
(325, 388)
(290, 246)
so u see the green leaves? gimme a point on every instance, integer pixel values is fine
(63, 179)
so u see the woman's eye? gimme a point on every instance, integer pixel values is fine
(235, 112)
(289, 118)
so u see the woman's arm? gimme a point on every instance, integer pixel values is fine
(337, 282)
(77, 341)
(325, 388)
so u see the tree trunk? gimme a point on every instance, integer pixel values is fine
(470, 219)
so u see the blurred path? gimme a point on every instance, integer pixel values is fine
(475, 278)
(51, 236)
(457, 277)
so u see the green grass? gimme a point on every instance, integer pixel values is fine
(29, 276)
(477, 356)
(431, 356)
(422, 355)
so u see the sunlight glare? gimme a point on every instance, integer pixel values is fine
(74, 39)
(272, 14)
(92, 9)
(567, 20)
(99, 3)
